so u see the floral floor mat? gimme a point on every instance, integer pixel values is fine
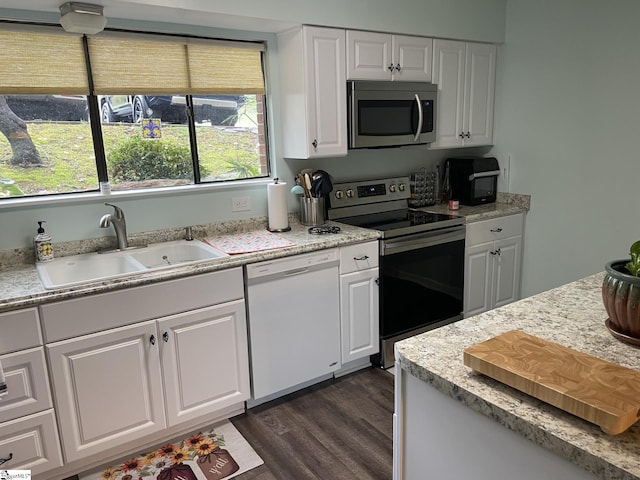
(218, 453)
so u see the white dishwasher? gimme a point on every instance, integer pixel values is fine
(294, 322)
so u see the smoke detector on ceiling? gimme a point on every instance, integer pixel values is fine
(79, 17)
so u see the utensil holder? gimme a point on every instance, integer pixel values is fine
(312, 211)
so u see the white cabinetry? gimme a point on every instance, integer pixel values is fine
(493, 258)
(465, 74)
(28, 432)
(359, 301)
(144, 375)
(380, 56)
(313, 89)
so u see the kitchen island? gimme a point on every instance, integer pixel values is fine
(454, 423)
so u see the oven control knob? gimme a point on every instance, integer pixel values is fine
(401, 187)
(349, 193)
(392, 187)
(339, 194)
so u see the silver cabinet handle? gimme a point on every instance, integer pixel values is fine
(398, 67)
(165, 337)
(391, 67)
(361, 259)
(496, 252)
(5, 460)
(152, 339)
(315, 143)
(496, 230)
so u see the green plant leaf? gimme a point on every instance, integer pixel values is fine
(634, 265)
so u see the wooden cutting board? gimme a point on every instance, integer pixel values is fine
(595, 390)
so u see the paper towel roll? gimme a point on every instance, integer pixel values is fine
(277, 206)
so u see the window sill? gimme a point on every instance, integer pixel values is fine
(73, 198)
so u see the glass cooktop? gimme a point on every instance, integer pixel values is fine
(404, 221)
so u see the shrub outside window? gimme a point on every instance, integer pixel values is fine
(171, 120)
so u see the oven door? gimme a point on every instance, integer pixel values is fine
(421, 284)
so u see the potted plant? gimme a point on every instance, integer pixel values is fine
(621, 296)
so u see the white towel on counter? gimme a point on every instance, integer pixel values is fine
(3, 383)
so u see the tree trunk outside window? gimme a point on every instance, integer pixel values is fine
(24, 152)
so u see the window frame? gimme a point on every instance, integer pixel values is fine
(198, 186)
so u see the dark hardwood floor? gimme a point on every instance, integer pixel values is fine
(339, 429)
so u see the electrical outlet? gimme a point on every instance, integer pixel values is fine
(240, 204)
(505, 173)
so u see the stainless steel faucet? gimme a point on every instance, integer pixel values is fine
(119, 225)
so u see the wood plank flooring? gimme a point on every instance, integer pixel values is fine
(340, 429)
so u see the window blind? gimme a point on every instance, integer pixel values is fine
(147, 64)
(46, 61)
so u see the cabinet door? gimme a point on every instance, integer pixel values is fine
(326, 91)
(369, 56)
(205, 360)
(448, 73)
(359, 314)
(477, 279)
(479, 94)
(506, 276)
(107, 388)
(412, 57)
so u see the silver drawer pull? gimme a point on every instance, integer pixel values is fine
(5, 460)
(362, 258)
(496, 230)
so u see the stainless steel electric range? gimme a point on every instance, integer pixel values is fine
(421, 258)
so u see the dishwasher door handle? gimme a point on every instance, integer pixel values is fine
(299, 271)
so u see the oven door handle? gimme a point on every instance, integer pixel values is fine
(429, 239)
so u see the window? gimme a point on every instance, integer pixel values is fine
(128, 111)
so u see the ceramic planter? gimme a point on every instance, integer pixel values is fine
(621, 298)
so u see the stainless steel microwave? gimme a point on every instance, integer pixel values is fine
(390, 114)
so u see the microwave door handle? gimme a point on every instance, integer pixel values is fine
(420, 119)
(491, 173)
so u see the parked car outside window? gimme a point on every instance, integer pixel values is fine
(216, 110)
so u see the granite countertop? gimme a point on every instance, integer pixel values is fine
(20, 285)
(571, 315)
(506, 204)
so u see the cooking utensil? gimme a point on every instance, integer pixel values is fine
(322, 183)
(303, 184)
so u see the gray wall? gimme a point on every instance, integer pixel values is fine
(567, 111)
(78, 219)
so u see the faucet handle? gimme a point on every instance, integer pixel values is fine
(117, 210)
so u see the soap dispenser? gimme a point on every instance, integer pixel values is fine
(42, 244)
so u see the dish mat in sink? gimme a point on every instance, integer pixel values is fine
(248, 242)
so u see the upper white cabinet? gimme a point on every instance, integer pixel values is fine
(493, 256)
(380, 56)
(465, 74)
(313, 86)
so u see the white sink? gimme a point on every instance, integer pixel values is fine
(93, 267)
(168, 254)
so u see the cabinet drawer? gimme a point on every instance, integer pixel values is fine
(31, 442)
(494, 229)
(27, 384)
(81, 316)
(362, 256)
(19, 330)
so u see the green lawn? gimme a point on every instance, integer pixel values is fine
(68, 160)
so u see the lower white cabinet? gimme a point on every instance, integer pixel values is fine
(124, 383)
(28, 431)
(359, 301)
(205, 365)
(493, 258)
(108, 388)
